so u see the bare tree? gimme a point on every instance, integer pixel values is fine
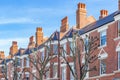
(88, 45)
(40, 60)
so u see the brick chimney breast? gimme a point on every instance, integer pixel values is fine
(103, 13)
(81, 15)
(2, 55)
(31, 42)
(118, 4)
(64, 24)
(14, 48)
(39, 36)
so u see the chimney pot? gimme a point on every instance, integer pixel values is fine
(81, 6)
(103, 13)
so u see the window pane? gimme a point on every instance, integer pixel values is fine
(102, 67)
(64, 50)
(118, 60)
(54, 71)
(55, 49)
(64, 73)
(103, 38)
(71, 75)
(118, 28)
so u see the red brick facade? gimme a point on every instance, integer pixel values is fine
(107, 64)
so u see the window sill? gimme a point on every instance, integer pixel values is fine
(103, 74)
(102, 46)
(118, 38)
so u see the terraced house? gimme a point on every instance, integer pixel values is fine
(42, 58)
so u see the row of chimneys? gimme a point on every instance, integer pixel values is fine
(81, 21)
(81, 18)
(39, 40)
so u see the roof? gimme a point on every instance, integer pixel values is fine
(29, 51)
(55, 36)
(7, 60)
(99, 23)
(69, 34)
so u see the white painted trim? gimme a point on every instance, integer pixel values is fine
(23, 56)
(34, 71)
(101, 76)
(102, 55)
(118, 60)
(65, 41)
(27, 73)
(103, 28)
(117, 17)
(63, 65)
(42, 49)
(115, 39)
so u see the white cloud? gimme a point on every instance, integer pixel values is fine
(6, 43)
(17, 20)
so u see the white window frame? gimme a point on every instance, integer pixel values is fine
(118, 61)
(101, 38)
(55, 64)
(100, 68)
(63, 66)
(118, 27)
(72, 46)
(71, 76)
(27, 62)
(64, 48)
(55, 49)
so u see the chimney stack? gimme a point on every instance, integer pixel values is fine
(103, 13)
(64, 24)
(81, 15)
(31, 42)
(2, 55)
(13, 48)
(39, 36)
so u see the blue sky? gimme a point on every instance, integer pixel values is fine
(19, 18)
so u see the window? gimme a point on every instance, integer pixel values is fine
(102, 67)
(86, 44)
(18, 62)
(55, 71)
(72, 48)
(71, 75)
(42, 56)
(55, 49)
(118, 28)
(64, 50)
(64, 73)
(34, 77)
(27, 62)
(103, 38)
(119, 60)
(27, 76)
(22, 62)
(47, 73)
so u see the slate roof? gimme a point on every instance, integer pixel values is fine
(7, 60)
(69, 34)
(55, 36)
(99, 23)
(29, 51)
